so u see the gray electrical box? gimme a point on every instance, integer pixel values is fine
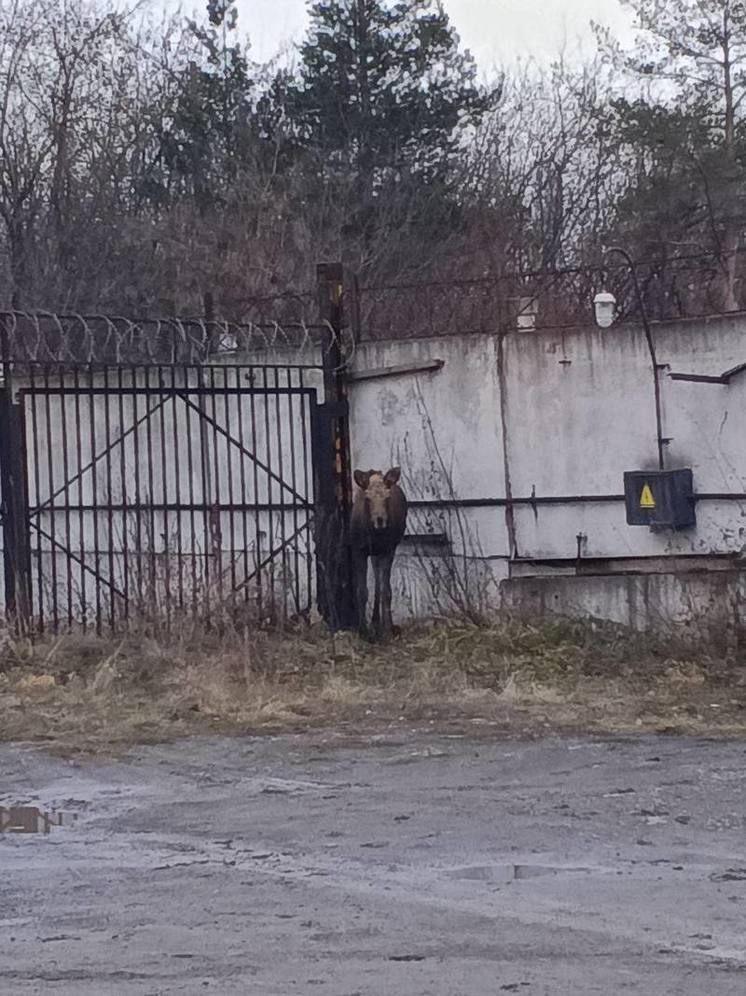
(663, 498)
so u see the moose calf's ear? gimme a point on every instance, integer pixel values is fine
(362, 479)
(392, 476)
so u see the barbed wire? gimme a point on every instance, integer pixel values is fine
(48, 337)
(688, 285)
(581, 269)
(685, 286)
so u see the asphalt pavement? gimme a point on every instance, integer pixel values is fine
(401, 863)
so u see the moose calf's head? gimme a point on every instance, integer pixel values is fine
(376, 495)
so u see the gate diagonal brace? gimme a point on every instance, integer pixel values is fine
(260, 567)
(274, 553)
(231, 439)
(48, 505)
(79, 560)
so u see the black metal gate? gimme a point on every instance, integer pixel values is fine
(162, 491)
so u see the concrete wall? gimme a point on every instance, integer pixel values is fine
(558, 415)
(693, 606)
(581, 411)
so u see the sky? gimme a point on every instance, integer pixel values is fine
(496, 31)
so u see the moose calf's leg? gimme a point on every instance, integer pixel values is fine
(376, 618)
(385, 581)
(360, 569)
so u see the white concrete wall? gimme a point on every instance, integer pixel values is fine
(694, 607)
(581, 411)
(569, 413)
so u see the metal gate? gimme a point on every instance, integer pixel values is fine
(160, 492)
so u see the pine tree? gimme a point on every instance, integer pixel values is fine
(385, 91)
(207, 137)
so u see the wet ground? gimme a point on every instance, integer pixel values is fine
(402, 863)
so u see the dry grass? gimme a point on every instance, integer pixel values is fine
(82, 692)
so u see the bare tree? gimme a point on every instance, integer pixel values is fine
(546, 164)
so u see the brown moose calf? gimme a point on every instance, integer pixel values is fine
(377, 524)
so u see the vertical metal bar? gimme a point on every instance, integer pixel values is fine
(37, 496)
(333, 528)
(8, 484)
(24, 593)
(326, 527)
(124, 475)
(15, 498)
(215, 516)
(502, 379)
(206, 487)
(81, 514)
(10, 530)
(138, 503)
(281, 475)
(181, 371)
(294, 485)
(304, 414)
(255, 482)
(51, 449)
(153, 592)
(107, 399)
(164, 489)
(270, 495)
(229, 458)
(94, 499)
(66, 498)
(190, 489)
(240, 374)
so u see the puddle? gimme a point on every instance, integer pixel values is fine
(504, 874)
(31, 819)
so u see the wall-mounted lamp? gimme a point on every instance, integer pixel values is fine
(604, 306)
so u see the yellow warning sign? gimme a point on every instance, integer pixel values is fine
(646, 498)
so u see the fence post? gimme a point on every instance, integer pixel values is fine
(14, 492)
(332, 472)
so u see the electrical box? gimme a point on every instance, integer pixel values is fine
(663, 498)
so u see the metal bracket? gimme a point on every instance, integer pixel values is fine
(396, 371)
(723, 378)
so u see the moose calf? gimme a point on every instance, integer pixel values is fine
(377, 524)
